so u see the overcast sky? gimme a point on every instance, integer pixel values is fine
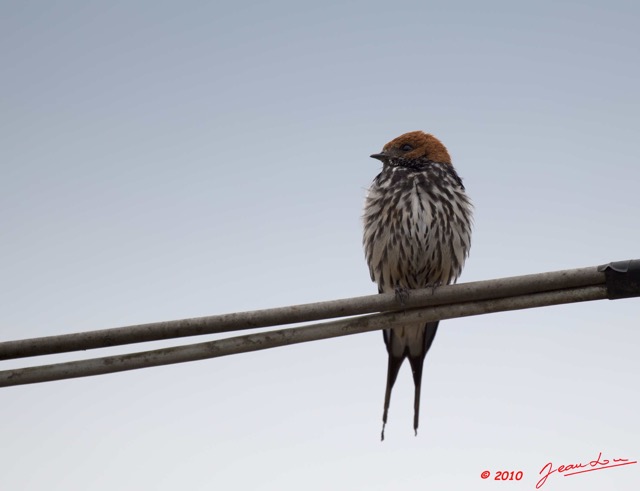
(164, 160)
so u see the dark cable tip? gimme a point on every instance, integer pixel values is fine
(622, 279)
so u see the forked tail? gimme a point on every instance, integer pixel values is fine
(416, 362)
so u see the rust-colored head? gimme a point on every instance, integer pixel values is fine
(415, 145)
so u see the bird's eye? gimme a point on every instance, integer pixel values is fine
(406, 147)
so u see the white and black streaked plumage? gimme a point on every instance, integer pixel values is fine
(417, 234)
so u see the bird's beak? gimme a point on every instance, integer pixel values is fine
(380, 156)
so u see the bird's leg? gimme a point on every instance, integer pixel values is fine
(402, 294)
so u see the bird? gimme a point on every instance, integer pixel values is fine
(417, 234)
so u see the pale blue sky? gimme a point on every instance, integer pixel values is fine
(163, 160)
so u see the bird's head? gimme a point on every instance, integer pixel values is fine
(416, 145)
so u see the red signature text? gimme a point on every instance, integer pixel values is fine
(572, 469)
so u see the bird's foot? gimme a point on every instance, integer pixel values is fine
(402, 294)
